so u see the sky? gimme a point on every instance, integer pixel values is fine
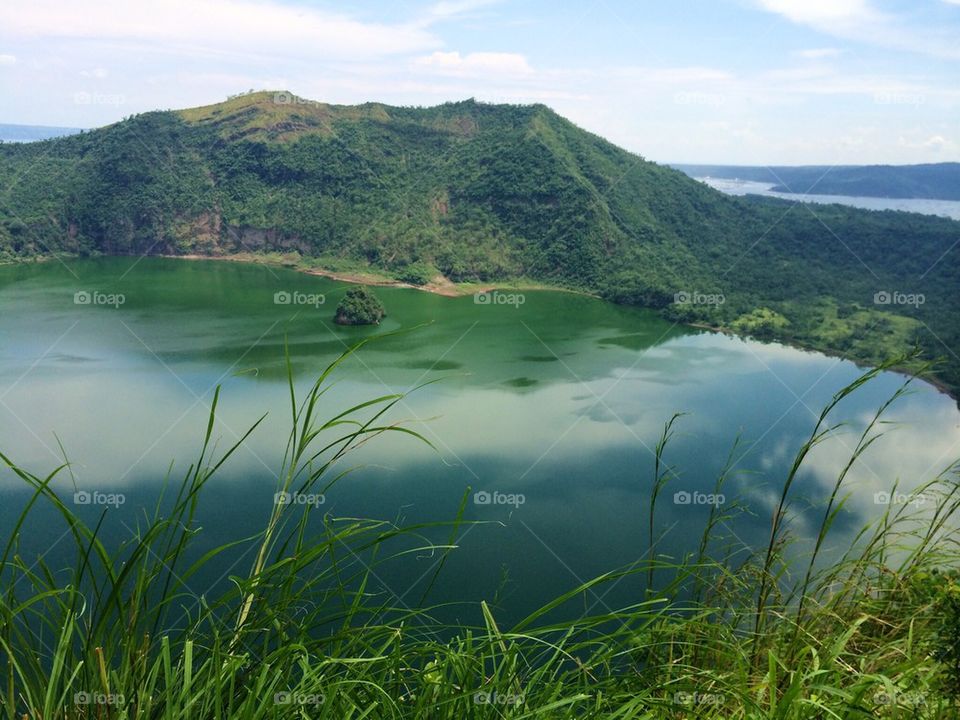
(784, 82)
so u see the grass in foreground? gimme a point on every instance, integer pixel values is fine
(301, 635)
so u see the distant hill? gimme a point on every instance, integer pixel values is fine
(939, 181)
(30, 133)
(474, 192)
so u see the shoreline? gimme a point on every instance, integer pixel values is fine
(446, 288)
(936, 383)
(450, 289)
(439, 285)
(358, 278)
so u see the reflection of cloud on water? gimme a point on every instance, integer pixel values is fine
(118, 428)
(135, 417)
(910, 452)
(920, 440)
(151, 424)
(777, 456)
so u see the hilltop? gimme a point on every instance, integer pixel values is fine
(475, 192)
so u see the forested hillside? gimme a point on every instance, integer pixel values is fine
(488, 193)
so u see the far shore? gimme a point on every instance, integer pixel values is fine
(439, 285)
(933, 381)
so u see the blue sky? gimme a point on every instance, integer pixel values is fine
(724, 81)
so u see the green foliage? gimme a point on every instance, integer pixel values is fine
(359, 306)
(416, 273)
(761, 322)
(484, 193)
(941, 591)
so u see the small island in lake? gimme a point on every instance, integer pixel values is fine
(359, 307)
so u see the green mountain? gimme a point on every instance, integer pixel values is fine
(486, 193)
(937, 181)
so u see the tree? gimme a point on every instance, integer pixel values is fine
(359, 307)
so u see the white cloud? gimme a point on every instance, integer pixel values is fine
(8, 59)
(98, 73)
(798, 73)
(859, 21)
(450, 8)
(936, 144)
(476, 63)
(820, 53)
(222, 26)
(818, 12)
(689, 74)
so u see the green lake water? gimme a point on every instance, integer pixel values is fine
(560, 400)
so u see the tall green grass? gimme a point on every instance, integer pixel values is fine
(302, 634)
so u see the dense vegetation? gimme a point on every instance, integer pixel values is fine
(727, 631)
(939, 181)
(481, 193)
(359, 306)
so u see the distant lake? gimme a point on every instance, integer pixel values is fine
(559, 399)
(31, 133)
(944, 208)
